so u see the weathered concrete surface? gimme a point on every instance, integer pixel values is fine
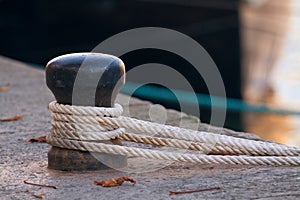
(20, 161)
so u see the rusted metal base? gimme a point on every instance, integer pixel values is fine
(73, 160)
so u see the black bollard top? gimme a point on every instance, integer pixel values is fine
(85, 79)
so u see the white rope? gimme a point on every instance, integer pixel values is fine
(82, 127)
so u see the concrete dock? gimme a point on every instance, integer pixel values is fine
(20, 160)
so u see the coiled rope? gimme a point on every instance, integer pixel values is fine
(84, 127)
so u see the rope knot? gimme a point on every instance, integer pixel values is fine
(83, 127)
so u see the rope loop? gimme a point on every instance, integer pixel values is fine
(116, 111)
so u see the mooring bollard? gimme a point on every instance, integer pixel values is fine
(61, 73)
(85, 118)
